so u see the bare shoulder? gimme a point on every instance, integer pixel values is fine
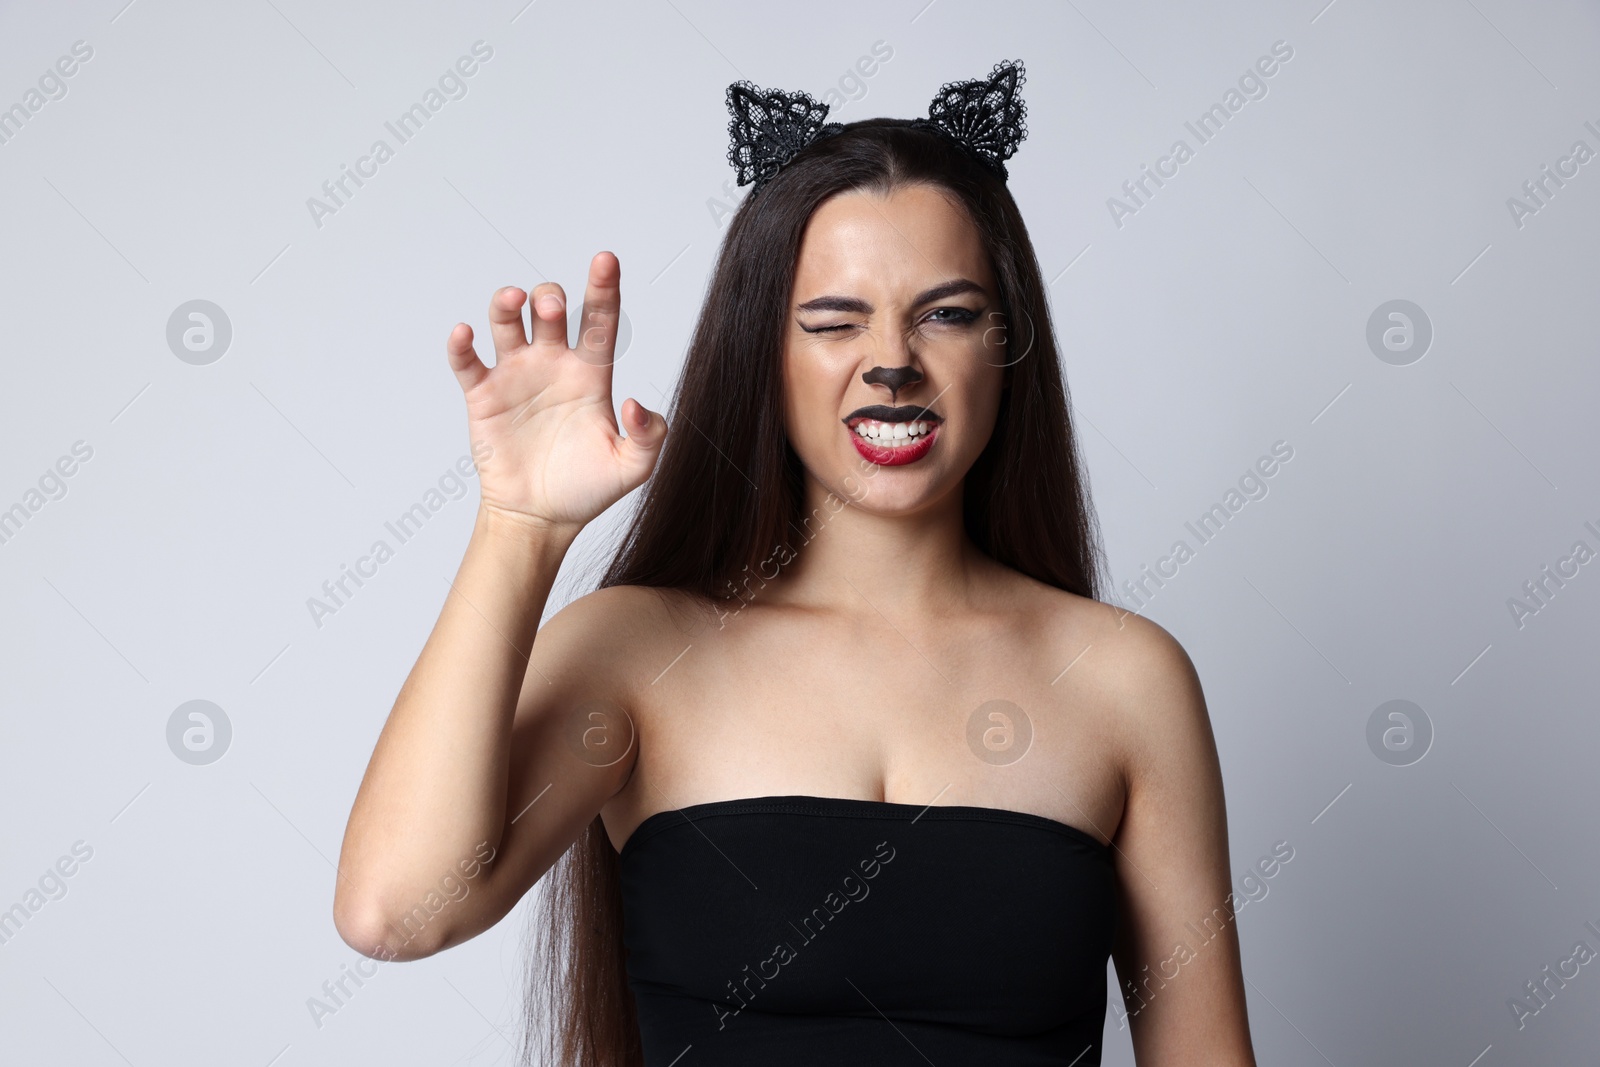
(610, 606)
(1153, 669)
(1159, 715)
(604, 633)
(587, 675)
(1118, 644)
(1130, 668)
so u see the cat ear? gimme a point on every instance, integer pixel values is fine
(985, 114)
(769, 127)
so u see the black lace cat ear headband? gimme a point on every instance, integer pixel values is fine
(769, 126)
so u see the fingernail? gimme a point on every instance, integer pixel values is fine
(549, 304)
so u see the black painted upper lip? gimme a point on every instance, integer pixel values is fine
(903, 413)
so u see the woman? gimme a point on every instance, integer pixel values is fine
(843, 735)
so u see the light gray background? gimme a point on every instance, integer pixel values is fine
(1229, 313)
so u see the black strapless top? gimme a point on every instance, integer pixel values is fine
(798, 930)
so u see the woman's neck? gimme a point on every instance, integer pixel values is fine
(847, 558)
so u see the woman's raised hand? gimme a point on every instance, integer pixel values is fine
(555, 455)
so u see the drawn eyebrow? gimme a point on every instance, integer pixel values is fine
(857, 306)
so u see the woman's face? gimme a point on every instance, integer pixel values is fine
(894, 355)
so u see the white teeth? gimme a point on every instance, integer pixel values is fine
(898, 431)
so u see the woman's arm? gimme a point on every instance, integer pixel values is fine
(430, 815)
(1176, 942)
(433, 852)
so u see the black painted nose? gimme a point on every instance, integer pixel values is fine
(896, 378)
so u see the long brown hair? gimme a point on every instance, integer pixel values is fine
(726, 494)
